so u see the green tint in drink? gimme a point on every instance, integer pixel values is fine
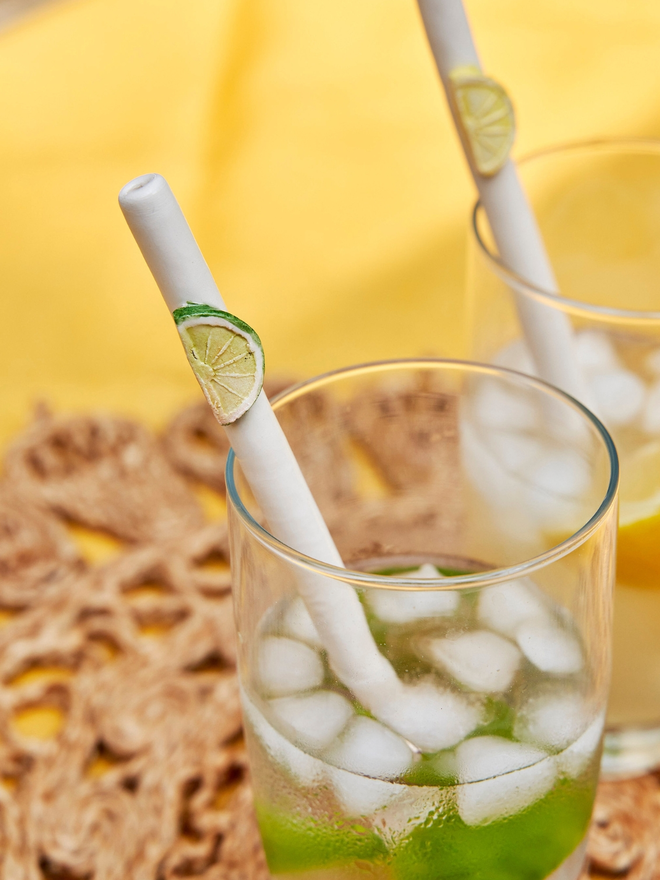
(340, 796)
(477, 759)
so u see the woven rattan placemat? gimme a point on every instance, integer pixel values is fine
(120, 730)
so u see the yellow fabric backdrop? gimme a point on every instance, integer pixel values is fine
(310, 146)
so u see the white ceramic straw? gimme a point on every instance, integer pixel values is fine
(547, 330)
(177, 264)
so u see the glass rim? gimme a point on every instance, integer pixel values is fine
(621, 146)
(451, 582)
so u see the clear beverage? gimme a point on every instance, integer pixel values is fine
(634, 702)
(508, 635)
(597, 205)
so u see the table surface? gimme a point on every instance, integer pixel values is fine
(624, 831)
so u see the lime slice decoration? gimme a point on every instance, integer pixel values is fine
(486, 116)
(226, 356)
(638, 561)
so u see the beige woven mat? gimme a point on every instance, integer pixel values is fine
(120, 731)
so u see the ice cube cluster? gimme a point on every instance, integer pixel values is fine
(511, 460)
(509, 456)
(519, 610)
(624, 397)
(459, 658)
(619, 394)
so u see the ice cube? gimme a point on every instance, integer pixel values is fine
(576, 758)
(563, 472)
(499, 406)
(553, 718)
(549, 647)
(651, 411)
(304, 768)
(417, 805)
(429, 717)
(317, 718)
(484, 469)
(405, 606)
(495, 482)
(594, 352)
(483, 758)
(287, 666)
(360, 796)
(499, 778)
(557, 483)
(369, 748)
(480, 660)
(424, 572)
(299, 625)
(516, 356)
(619, 396)
(516, 452)
(505, 606)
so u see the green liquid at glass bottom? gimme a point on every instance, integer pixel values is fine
(306, 836)
(529, 845)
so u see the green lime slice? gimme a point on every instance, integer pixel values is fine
(226, 356)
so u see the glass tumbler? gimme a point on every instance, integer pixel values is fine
(479, 569)
(598, 207)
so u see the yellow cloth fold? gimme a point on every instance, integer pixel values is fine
(311, 149)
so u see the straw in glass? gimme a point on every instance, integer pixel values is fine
(270, 468)
(547, 331)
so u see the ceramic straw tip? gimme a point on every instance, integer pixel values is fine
(140, 193)
(167, 243)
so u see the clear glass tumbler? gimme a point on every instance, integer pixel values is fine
(481, 551)
(598, 206)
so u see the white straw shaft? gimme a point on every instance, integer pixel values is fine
(547, 330)
(449, 34)
(271, 469)
(293, 516)
(274, 476)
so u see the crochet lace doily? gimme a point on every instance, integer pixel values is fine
(120, 728)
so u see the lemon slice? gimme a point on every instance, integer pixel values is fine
(226, 356)
(486, 116)
(638, 546)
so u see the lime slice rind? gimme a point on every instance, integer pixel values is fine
(226, 356)
(486, 116)
(201, 310)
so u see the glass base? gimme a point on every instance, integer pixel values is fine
(631, 752)
(572, 867)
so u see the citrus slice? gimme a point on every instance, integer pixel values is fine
(638, 546)
(486, 116)
(226, 356)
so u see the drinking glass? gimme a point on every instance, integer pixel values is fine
(482, 555)
(598, 206)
